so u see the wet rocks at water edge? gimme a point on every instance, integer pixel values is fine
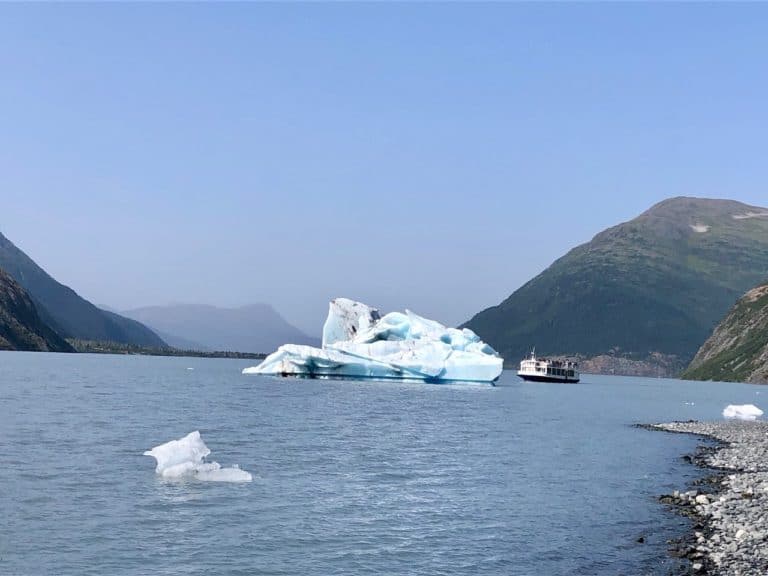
(731, 531)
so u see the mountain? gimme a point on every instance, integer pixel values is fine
(737, 351)
(21, 327)
(255, 328)
(181, 343)
(66, 312)
(650, 288)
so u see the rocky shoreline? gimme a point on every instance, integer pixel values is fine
(729, 509)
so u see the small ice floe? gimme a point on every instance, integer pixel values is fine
(742, 412)
(184, 458)
(190, 368)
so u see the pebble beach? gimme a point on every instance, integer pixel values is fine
(729, 509)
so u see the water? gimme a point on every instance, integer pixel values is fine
(349, 477)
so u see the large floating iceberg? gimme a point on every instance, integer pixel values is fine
(360, 343)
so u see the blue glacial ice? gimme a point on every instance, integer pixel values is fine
(358, 342)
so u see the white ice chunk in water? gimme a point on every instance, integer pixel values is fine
(185, 458)
(742, 412)
(360, 343)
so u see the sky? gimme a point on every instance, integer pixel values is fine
(421, 155)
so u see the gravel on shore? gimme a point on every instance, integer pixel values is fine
(731, 531)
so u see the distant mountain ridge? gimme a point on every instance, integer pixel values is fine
(254, 328)
(64, 311)
(21, 327)
(737, 351)
(657, 284)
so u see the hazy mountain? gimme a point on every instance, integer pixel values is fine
(21, 327)
(255, 328)
(66, 312)
(182, 343)
(656, 285)
(737, 351)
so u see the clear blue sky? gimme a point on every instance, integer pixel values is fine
(421, 155)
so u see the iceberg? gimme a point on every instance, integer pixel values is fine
(742, 412)
(183, 458)
(358, 342)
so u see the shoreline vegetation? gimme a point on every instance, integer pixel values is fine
(99, 347)
(729, 508)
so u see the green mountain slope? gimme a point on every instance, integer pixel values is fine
(656, 284)
(737, 351)
(69, 314)
(21, 327)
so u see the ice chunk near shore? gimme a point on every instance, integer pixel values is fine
(185, 458)
(742, 412)
(360, 343)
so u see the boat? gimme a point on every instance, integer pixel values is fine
(545, 370)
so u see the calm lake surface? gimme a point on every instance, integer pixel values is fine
(349, 477)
